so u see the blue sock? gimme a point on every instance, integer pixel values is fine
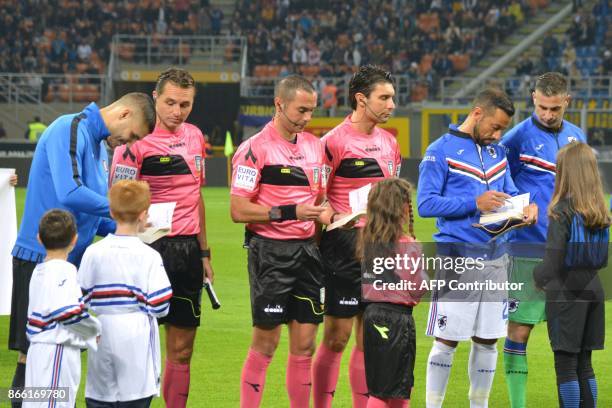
(593, 386)
(570, 394)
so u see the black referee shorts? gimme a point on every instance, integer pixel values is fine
(22, 274)
(181, 256)
(286, 281)
(342, 273)
(389, 342)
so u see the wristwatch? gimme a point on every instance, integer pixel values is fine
(205, 253)
(275, 214)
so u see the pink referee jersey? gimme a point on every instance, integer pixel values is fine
(353, 159)
(271, 171)
(173, 165)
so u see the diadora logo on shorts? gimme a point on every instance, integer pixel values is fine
(274, 309)
(350, 302)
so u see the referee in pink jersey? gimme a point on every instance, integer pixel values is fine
(276, 191)
(172, 162)
(357, 153)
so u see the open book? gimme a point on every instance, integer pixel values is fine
(511, 210)
(345, 220)
(509, 216)
(358, 200)
(160, 218)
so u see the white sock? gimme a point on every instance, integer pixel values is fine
(439, 365)
(481, 369)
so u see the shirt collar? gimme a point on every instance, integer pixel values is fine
(95, 124)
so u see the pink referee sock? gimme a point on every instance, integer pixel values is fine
(253, 379)
(299, 380)
(359, 387)
(176, 384)
(325, 371)
(374, 402)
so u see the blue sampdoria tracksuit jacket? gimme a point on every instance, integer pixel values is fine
(453, 173)
(532, 149)
(69, 171)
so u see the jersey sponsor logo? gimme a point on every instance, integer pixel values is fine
(349, 302)
(492, 152)
(442, 319)
(246, 177)
(123, 172)
(198, 163)
(382, 330)
(274, 309)
(429, 158)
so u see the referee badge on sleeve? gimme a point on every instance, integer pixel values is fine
(390, 167)
(198, 163)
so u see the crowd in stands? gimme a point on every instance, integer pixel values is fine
(424, 39)
(74, 37)
(584, 49)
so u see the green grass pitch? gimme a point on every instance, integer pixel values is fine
(224, 337)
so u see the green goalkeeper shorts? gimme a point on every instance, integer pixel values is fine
(525, 305)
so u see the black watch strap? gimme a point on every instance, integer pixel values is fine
(205, 253)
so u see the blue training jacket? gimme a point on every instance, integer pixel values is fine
(451, 176)
(532, 149)
(69, 171)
